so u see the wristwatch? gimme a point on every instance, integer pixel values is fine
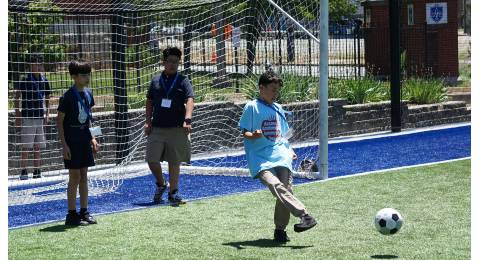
(188, 121)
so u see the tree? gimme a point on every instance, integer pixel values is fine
(307, 10)
(31, 32)
(341, 9)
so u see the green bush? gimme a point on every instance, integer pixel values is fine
(250, 87)
(295, 88)
(335, 88)
(424, 91)
(136, 100)
(359, 91)
(298, 88)
(145, 56)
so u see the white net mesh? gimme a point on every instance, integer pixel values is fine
(225, 44)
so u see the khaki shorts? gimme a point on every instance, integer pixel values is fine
(168, 144)
(32, 133)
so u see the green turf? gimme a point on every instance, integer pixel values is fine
(434, 200)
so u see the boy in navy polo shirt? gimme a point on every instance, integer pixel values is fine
(169, 110)
(73, 122)
(34, 91)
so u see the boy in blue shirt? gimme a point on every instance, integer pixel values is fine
(73, 122)
(34, 93)
(269, 155)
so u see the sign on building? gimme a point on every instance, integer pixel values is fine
(437, 13)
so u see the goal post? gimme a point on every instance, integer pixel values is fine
(226, 45)
(322, 159)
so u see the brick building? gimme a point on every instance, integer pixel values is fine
(429, 43)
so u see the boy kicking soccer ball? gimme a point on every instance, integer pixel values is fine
(264, 127)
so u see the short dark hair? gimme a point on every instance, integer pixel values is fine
(172, 51)
(268, 77)
(35, 58)
(79, 67)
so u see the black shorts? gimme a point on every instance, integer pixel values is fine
(81, 155)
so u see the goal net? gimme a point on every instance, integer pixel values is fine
(226, 45)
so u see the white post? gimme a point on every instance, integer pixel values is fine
(323, 90)
(322, 160)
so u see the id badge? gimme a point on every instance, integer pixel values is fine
(167, 103)
(96, 131)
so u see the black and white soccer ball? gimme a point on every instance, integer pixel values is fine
(388, 221)
(308, 165)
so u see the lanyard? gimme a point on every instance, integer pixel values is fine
(172, 85)
(82, 103)
(274, 108)
(36, 82)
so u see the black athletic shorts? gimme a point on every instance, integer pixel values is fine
(81, 155)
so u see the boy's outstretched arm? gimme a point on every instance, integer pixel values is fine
(252, 135)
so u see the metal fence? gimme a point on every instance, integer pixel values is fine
(128, 46)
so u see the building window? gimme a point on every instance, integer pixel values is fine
(411, 19)
(368, 18)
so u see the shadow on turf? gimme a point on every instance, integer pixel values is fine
(147, 204)
(260, 243)
(384, 256)
(151, 204)
(57, 228)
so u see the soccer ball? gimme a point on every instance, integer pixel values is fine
(308, 165)
(388, 221)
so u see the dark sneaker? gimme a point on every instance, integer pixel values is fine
(73, 219)
(37, 174)
(24, 175)
(280, 236)
(157, 198)
(175, 198)
(87, 218)
(306, 223)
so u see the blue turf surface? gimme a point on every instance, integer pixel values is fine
(344, 159)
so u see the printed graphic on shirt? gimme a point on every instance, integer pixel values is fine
(82, 115)
(271, 129)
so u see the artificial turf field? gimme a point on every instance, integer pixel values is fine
(434, 201)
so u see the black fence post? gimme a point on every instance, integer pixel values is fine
(119, 41)
(279, 46)
(396, 113)
(79, 37)
(252, 32)
(309, 41)
(137, 52)
(358, 36)
(187, 45)
(425, 30)
(235, 53)
(291, 44)
(220, 79)
(204, 54)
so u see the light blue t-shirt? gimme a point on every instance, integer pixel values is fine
(272, 149)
